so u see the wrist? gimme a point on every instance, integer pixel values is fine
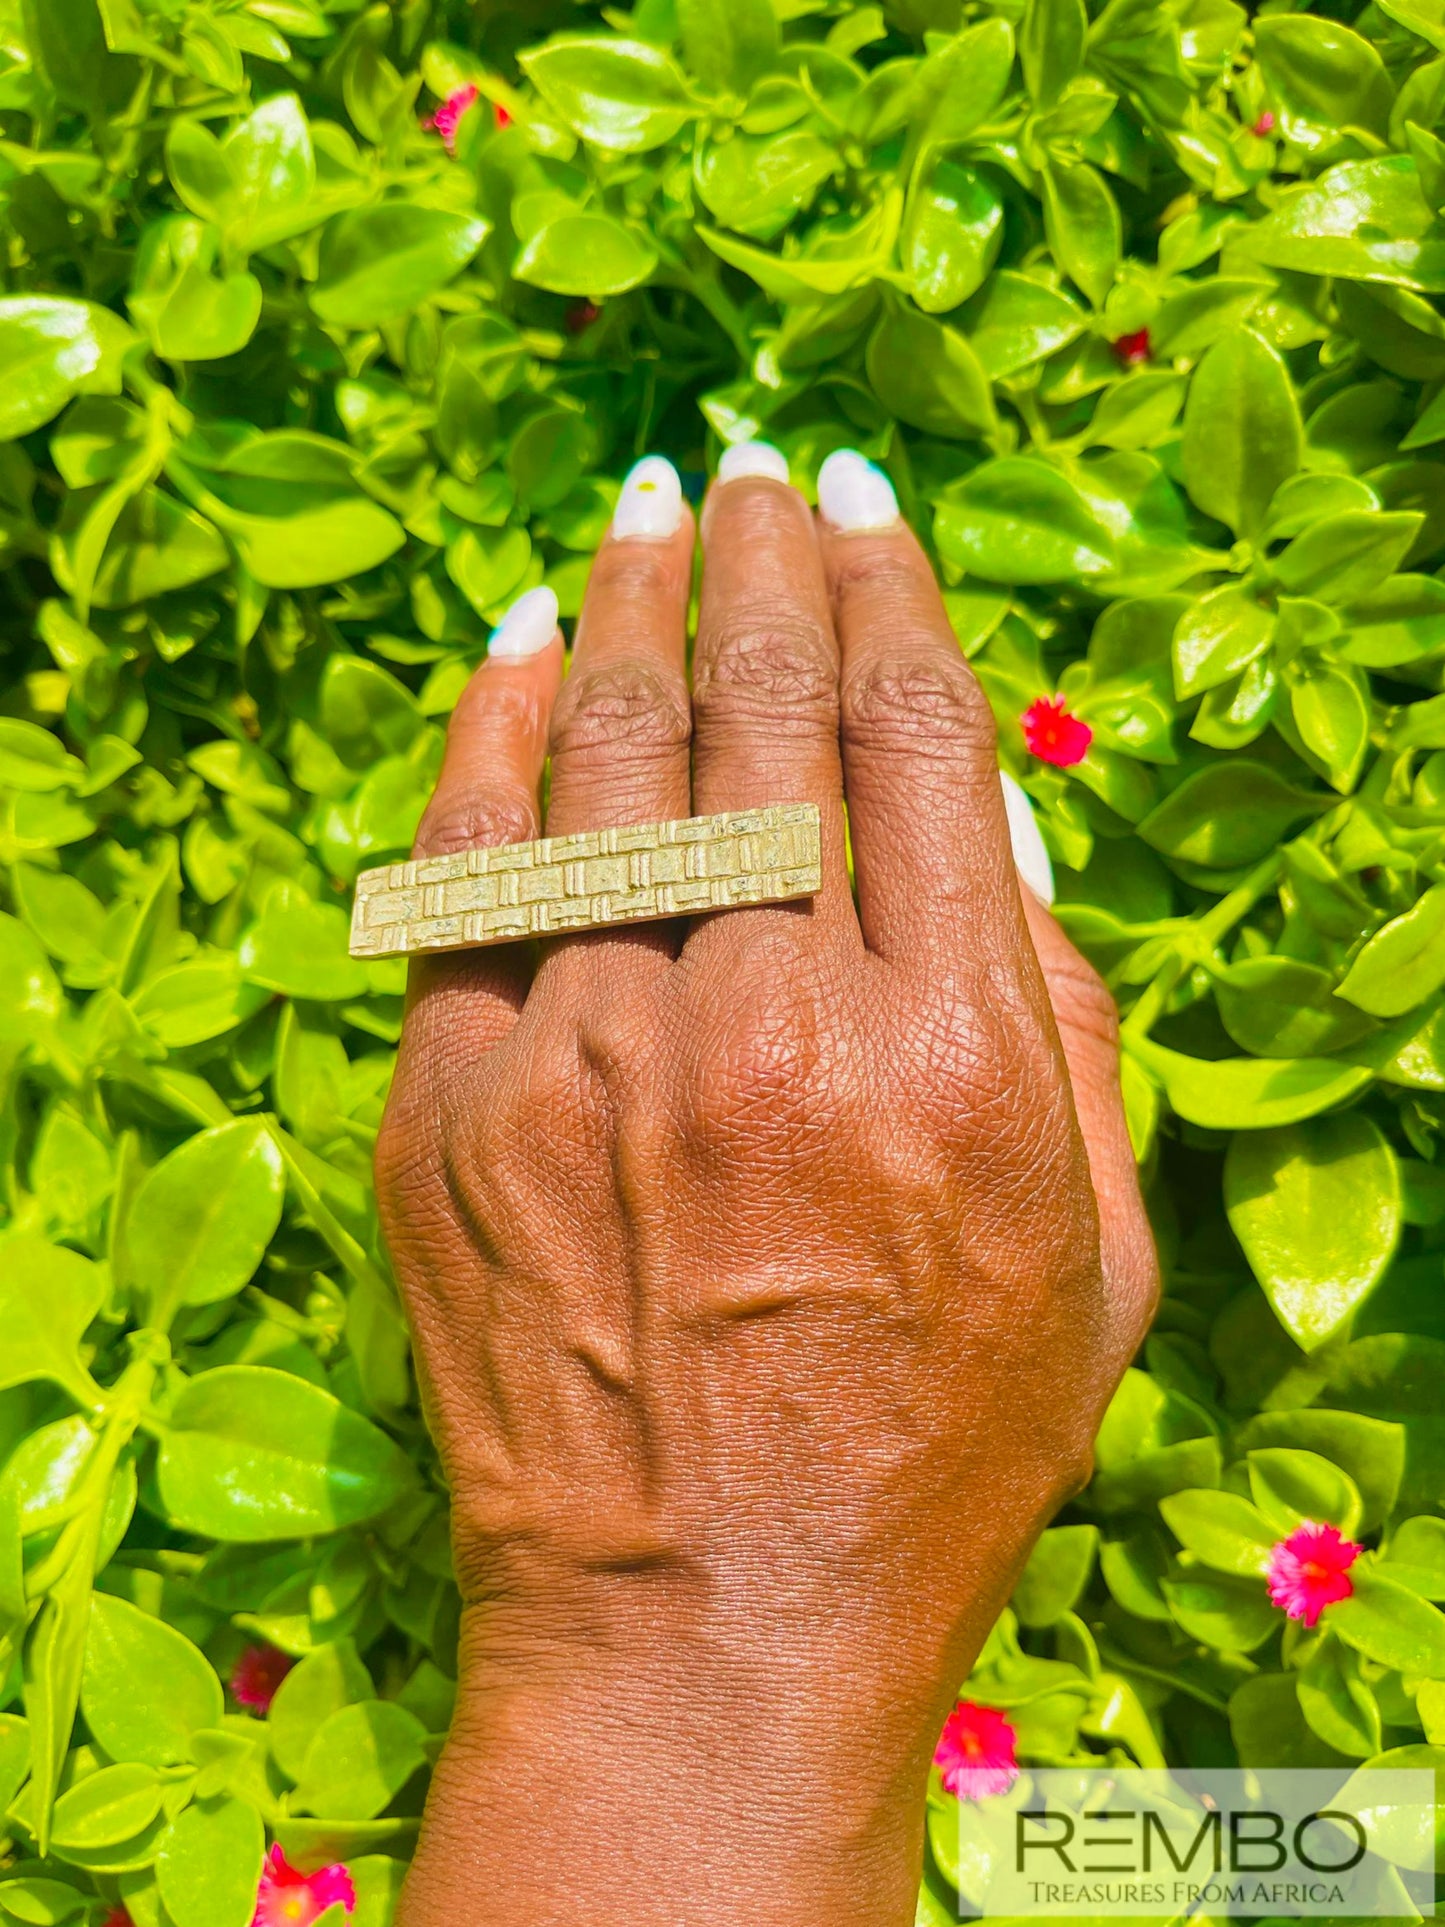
(666, 1791)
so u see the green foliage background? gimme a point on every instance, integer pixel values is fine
(1136, 304)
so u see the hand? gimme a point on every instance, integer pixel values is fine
(769, 1273)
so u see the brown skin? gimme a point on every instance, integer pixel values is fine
(769, 1273)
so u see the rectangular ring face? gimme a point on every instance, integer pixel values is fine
(589, 881)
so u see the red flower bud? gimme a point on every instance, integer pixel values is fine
(1054, 735)
(1133, 349)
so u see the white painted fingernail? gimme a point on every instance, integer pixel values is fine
(752, 458)
(527, 627)
(854, 495)
(1031, 857)
(651, 500)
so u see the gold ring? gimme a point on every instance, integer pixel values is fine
(590, 881)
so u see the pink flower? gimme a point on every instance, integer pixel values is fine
(978, 1752)
(1309, 1571)
(448, 117)
(502, 117)
(1054, 735)
(287, 1898)
(1264, 126)
(1133, 350)
(257, 1675)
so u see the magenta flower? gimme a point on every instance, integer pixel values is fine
(287, 1898)
(1133, 350)
(1055, 735)
(257, 1676)
(448, 117)
(1264, 126)
(978, 1752)
(1310, 1570)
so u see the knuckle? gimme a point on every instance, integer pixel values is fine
(763, 1064)
(888, 575)
(930, 706)
(626, 706)
(638, 573)
(761, 667)
(1082, 1000)
(453, 823)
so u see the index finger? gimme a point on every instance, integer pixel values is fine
(930, 833)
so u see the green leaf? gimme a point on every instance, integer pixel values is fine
(1018, 520)
(252, 1454)
(379, 263)
(1242, 430)
(1016, 321)
(728, 44)
(1346, 557)
(1222, 1530)
(203, 1218)
(257, 183)
(326, 1680)
(588, 254)
(299, 948)
(757, 184)
(191, 1003)
(1364, 220)
(1220, 634)
(952, 232)
(208, 1864)
(622, 95)
(1323, 78)
(1233, 1615)
(1403, 963)
(1082, 221)
(1317, 1208)
(48, 1297)
(32, 759)
(925, 373)
(1337, 1702)
(107, 1807)
(961, 84)
(1293, 1488)
(1246, 1093)
(1227, 814)
(52, 349)
(1056, 1574)
(146, 1688)
(1390, 1624)
(359, 1760)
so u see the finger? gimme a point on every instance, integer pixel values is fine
(487, 792)
(765, 668)
(1088, 1026)
(926, 814)
(623, 724)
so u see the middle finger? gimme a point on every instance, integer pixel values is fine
(765, 666)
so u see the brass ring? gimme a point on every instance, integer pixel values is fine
(590, 881)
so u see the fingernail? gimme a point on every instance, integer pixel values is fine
(527, 627)
(651, 500)
(752, 458)
(854, 495)
(1031, 857)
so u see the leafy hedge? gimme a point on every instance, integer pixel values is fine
(1134, 304)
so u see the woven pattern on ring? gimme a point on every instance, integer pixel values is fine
(588, 881)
